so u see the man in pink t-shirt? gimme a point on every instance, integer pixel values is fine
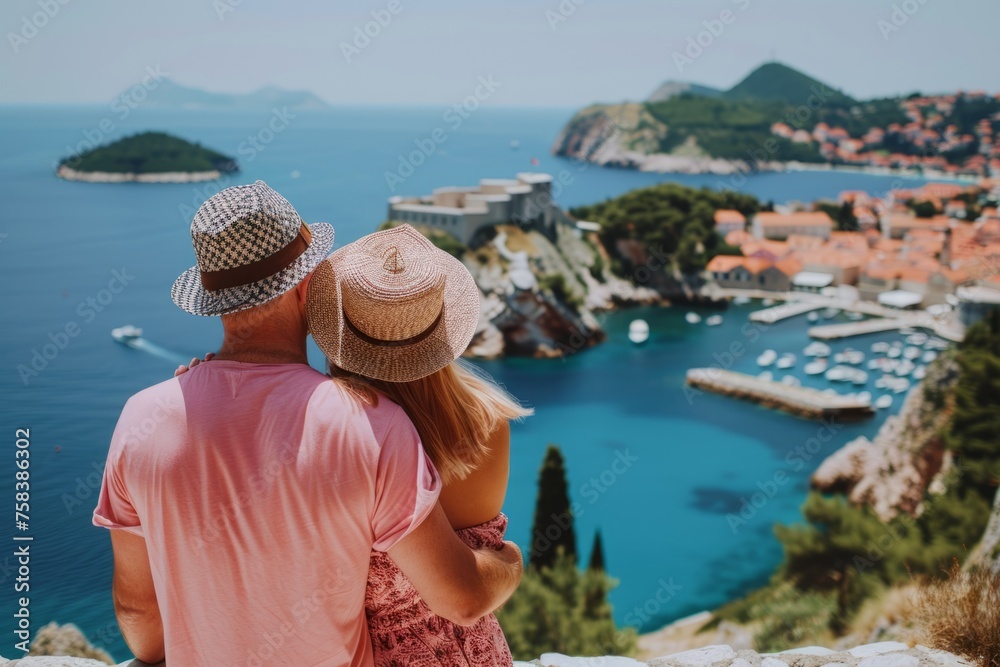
(245, 496)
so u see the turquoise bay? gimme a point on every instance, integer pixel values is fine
(655, 469)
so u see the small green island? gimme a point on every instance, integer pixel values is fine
(148, 157)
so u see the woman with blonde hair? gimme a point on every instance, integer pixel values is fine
(393, 313)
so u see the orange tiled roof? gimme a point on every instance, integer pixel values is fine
(789, 266)
(915, 275)
(725, 263)
(757, 264)
(727, 215)
(797, 241)
(798, 219)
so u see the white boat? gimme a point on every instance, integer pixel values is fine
(514, 144)
(929, 356)
(791, 381)
(816, 367)
(850, 356)
(767, 357)
(906, 331)
(859, 377)
(767, 302)
(901, 385)
(919, 373)
(911, 352)
(714, 320)
(638, 331)
(839, 374)
(830, 313)
(894, 352)
(767, 376)
(884, 401)
(905, 367)
(855, 317)
(936, 344)
(817, 349)
(865, 396)
(127, 335)
(881, 347)
(916, 338)
(786, 361)
(741, 300)
(692, 318)
(813, 316)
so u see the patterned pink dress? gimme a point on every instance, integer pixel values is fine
(405, 631)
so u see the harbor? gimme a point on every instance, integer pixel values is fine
(801, 401)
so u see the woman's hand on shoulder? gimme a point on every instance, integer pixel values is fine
(182, 369)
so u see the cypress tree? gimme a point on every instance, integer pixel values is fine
(597, 554)
(552, 533)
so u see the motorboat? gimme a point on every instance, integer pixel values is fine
(911, 352)
(127, 335)
(817, 349)
(895, 352)
(849, 356)
(638, 331)
(916, 339)
(901, 385)
(786, 361)
(881, 347)
(692, 318)
(816, 367)
(906, 331)
(936, 344)
(714, 320)
(791, 381)
(859, 377)
(830, 313)
(767, 302)
(839, 374)
(767, 376)
(813, 316)
(855, 316)
(884, 401)
(919, 373)
(767, 357)
(905, 367)
(865, 396)
(741, 300)
(929, 356)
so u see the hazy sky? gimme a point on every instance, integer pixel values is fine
(541, 52)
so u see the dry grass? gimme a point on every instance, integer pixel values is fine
(961, 614)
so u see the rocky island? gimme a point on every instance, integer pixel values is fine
(149, 157)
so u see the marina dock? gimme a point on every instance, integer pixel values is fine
(783, 311)
(845, 329)
(802, 401)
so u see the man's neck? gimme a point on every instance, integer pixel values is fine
(254, 352)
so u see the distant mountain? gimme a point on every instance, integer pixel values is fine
(171, 95)
(670, 89)
(776, 82)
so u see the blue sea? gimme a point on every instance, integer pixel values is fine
(655, 468)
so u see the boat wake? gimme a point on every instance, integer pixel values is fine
(157, 351)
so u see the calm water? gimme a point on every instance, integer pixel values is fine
(655, 470)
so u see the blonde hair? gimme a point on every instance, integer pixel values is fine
(454, 410)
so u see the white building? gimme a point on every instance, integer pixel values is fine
(462, 211)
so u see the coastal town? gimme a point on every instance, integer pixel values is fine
(948, 134)
(931, 247)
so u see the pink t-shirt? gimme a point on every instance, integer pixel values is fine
(260, 491)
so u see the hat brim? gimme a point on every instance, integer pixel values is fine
(446, 342)
(190, 296)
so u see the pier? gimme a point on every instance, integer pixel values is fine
(843, 330)
(801, 401)
(784, 311)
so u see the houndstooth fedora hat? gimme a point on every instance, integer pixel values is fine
(251, 246)
(392, 306)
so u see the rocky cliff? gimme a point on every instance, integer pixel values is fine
(540, 294)
(906, 459)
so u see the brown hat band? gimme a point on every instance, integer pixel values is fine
(412, 340)
(262, 268)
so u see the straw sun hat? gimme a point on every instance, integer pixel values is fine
(392, 306)
(251, 246)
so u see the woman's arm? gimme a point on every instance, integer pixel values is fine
(479, 497)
